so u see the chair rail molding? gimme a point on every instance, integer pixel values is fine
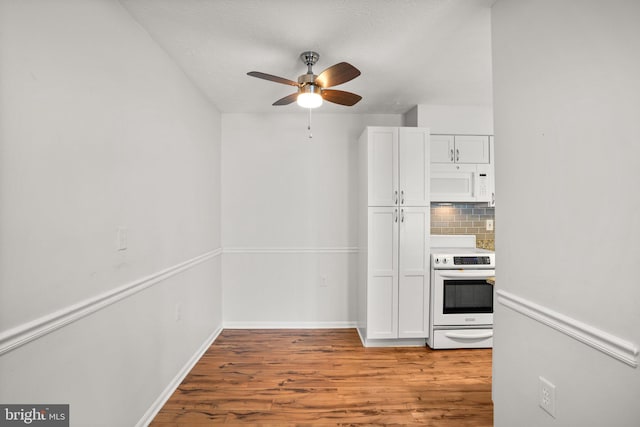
(611, 345)
(34, 329)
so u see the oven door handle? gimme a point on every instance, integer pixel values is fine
(468, 335)
(466, 274)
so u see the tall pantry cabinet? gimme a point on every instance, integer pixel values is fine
(394, 227)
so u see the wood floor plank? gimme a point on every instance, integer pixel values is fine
(326, 377)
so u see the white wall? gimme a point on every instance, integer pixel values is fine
(452, 119)
(98, 130)
(289, 215)
(566, 111)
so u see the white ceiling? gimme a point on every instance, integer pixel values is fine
(409, 51)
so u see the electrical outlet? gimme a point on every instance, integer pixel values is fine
(489, 225)
(547, 396)
(178, 312)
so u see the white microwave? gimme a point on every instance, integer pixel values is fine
(462, 183)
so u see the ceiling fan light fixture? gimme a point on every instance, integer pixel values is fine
(313, 89)
(309, 96)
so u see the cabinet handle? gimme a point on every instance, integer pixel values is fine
(452, 154)
(493, 198)
(395, 195)
(395, 215)
(401, 215)
(402, 197)
(457, 154)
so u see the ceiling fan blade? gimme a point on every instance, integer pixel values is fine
(337, 74)
(272, 78)
(287, 99)
(340, 97)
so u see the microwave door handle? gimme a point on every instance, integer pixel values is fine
(469, 336)
(473, 184)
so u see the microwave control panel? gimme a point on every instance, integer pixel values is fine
(483, 185)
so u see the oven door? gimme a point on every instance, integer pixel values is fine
(462, 297)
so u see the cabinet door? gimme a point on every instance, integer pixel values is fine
(383, 167)
(442, 149)
(414, 276)
(413, 167)
(382, 289)
(471, 149)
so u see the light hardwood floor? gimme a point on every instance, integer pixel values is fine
(315, 377)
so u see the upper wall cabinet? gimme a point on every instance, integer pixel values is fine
(459, 149)
(398, 166)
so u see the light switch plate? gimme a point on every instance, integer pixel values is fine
(121, 239)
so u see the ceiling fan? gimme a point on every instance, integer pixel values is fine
(313, 89)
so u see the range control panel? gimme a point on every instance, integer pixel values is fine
(471, 260)
(463, 261)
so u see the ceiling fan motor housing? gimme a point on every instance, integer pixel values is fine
(309, 58)
(307, 84)
(310, 88)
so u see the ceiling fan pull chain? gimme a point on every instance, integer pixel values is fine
(309, 125)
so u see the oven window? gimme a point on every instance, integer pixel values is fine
(467, 296)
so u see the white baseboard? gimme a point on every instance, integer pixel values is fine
(289, 325)
(157, 405)
(291, 250)
(611, 345)
(398, 342)
(404, 342)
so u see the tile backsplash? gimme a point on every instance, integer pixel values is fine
(464, 218)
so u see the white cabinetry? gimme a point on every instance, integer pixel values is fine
(469, 149)
(394, 218)
(382, 282)
(398, 165)
(414, 272)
